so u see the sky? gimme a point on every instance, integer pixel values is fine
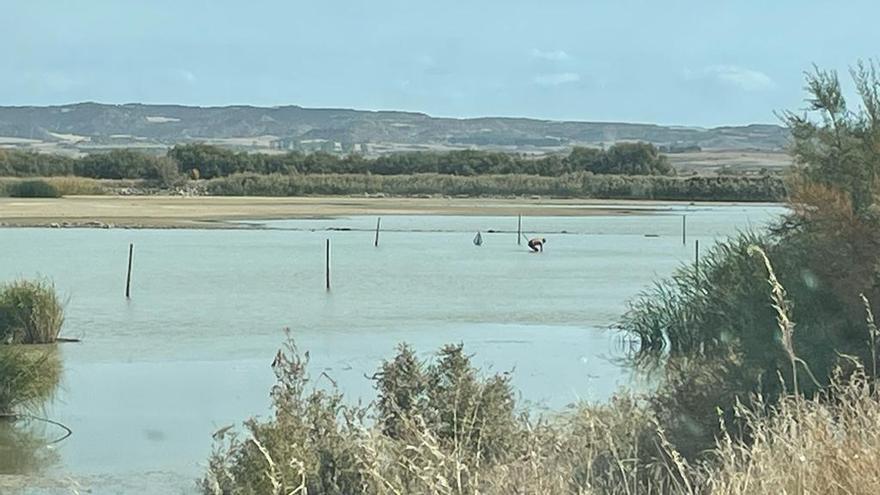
(693, 63)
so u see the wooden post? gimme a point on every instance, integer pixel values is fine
(128, 277)
(519, 230)
(327, 264)
(684, 219)
(376, 242)
(697, 256)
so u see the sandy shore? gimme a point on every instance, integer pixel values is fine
(219, 212)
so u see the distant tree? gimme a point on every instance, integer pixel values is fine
(635, 159)
(583, 159)
(121, 164)
(620, 159)
(15, 163)
(210, 161)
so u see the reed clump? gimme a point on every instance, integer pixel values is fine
(31, 312)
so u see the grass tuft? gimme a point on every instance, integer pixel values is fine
(30, 312)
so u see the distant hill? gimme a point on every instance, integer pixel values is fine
(88, 126)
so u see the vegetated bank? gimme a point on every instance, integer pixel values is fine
(766, 354)
(624, 171)
(575, 185)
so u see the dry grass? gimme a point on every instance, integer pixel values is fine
(828, 445)
(77, 186)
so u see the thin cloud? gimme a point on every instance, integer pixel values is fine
(551, 55)
(186, 76)
(556, 79)
(733, 75)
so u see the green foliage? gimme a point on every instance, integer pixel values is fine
(33, 189)
(128, 164)
(622, 158)
(714, 332)
(15, 163)
(576, 185)
(457, 406)
(402, 387)
(28, 377)
(842, 148)
(311, 428)
(30, 312)
(210, 161)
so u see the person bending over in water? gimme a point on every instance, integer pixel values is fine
(537, 244)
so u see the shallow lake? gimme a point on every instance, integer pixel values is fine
(189, 353)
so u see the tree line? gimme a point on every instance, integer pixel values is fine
(208, 162)
(574, 185)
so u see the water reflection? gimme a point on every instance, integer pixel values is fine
(25, 446)
(29, 378)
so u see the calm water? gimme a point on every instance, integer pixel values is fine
(190, 352)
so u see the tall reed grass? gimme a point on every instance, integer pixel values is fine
(30, 312)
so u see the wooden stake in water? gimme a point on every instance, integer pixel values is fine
(519, 230)
(684, 220)
(327, 264)
(128, 277)
(376, 242)
(697, 256)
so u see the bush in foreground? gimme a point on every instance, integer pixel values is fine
(30, 312)
(438, 427)
(317, 444)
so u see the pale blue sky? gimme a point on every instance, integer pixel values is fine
(672, 62)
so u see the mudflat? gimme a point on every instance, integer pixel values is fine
(222, 212)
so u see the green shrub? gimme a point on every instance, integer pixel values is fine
(439, 427)
(30, 312)
(305, 444)
(33, 189)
